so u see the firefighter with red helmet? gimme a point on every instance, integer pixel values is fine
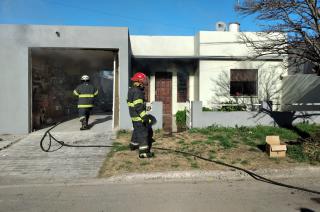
(140, 119)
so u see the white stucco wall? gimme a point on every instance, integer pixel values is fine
(162, 45)
(229, 44)
(210, 71)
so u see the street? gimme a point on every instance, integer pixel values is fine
(101, 195)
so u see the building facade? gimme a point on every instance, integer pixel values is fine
(211, 67)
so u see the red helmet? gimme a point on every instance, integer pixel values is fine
(139, 77)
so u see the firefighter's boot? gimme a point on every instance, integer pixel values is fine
(146, 155)
(84, 124)
(133, 146)
(144, 152)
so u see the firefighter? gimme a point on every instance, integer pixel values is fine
(86, 93)
(140, 119)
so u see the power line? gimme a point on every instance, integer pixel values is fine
(126, 18)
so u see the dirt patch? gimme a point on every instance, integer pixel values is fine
(311, 147)
(232, 147)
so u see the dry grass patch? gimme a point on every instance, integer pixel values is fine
(236, 146)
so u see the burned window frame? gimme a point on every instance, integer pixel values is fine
(182, 92)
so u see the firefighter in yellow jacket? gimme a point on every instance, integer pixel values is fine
(86, 93)
(140, 119)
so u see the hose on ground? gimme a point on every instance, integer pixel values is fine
(250, 173)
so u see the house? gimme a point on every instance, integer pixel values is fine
(211, 67)
(40, 65)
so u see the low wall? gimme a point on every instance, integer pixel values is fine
(156, 111)
(200, 119)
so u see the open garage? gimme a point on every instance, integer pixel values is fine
(42, 65)
(56, 72)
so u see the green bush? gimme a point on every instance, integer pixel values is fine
(231, 107)
(206, 109)
(181, 116)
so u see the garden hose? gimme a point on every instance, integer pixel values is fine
(250, 173)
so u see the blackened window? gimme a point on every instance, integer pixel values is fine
(183, 91)
(243, 82)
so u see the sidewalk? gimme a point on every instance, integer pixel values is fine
(24, 162)
(7, 140)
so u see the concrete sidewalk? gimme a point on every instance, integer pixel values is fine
(24, 161)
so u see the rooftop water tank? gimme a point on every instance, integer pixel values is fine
(234, 27)
(221, 26)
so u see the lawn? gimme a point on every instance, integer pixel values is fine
(240, 146)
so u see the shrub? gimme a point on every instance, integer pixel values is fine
(181, 116)
(206, 109)
(232, 107)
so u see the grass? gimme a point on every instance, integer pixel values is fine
(296, 152)
(237, 146)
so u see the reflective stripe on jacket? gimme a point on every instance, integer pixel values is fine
(86, 93)
(136, 103)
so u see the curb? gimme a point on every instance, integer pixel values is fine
(298, 172)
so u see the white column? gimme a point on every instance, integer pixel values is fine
(191, 87)
(174, 91)
(152, 87)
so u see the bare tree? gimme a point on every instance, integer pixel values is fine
(290, 27)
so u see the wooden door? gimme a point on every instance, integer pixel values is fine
(164, 94)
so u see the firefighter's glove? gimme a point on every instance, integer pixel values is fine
(146, 119)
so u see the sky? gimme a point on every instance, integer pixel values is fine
(142, 17)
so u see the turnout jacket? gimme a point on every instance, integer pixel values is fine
(136, 104)
(86, 93)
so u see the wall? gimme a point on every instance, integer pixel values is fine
(213, 72)
(230, 44)
(15, 41)
(156, 111)
(220, 51)
(202, 119)
(162, 45)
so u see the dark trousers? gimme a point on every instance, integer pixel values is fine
(84, 113)
(142, 134)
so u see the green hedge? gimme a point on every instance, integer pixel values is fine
(181, 116)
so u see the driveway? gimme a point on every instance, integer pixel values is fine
(24, 161)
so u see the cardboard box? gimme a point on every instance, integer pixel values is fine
(274, 147)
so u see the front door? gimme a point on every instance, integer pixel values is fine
(164, 95)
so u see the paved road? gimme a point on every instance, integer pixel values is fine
(240, 196)
(24, 162)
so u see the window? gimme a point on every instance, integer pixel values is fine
(183, 81)
(243, 82)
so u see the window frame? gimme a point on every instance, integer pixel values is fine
(255, 93)
(186, 87)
